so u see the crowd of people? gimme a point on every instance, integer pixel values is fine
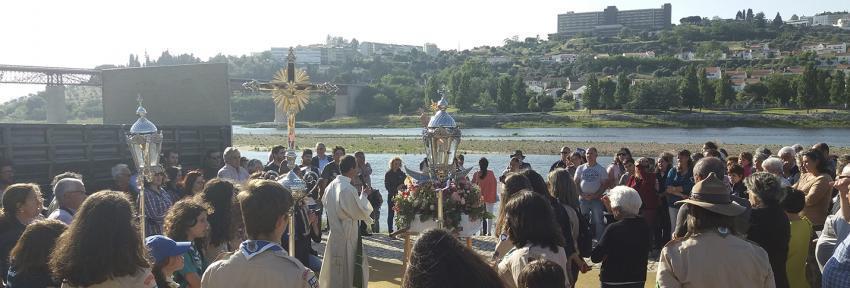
(710, 219)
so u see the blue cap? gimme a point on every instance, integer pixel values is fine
(162, 247)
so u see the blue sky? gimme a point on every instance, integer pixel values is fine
(92, 32)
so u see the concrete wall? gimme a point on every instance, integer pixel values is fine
(195, 94)
(56, 107)
(346, 98)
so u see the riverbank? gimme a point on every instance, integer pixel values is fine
(768, 118)
(411, 145)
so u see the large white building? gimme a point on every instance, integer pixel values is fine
(374, 48)
(828, 20)
(431, 49)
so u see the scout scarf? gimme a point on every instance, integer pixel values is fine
(251, 248)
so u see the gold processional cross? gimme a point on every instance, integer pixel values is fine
(290, 90)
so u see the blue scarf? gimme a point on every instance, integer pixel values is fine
(251, 248)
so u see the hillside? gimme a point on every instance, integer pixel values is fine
(527, 75)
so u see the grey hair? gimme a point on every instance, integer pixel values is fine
(626, 198)
(766, 186)
(787, 150)
(230, 152)
(797, 148)
(773, 165)
(63, 185)
(707, 165)
(118, 168)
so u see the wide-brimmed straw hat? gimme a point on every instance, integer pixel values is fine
(712, 194)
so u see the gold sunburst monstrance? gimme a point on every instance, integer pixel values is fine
(290, 90)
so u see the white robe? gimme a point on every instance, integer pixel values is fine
(345, 208)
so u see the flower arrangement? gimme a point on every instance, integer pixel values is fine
(420, 200)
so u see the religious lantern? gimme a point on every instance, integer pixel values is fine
(441, 137)
(297, 187)
(145, 143)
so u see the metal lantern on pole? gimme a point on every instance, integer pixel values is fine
(441, 138)
(297, 186)
(145, 143)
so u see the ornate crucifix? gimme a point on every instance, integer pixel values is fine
(290, 89)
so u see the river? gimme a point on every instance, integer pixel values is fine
(740, 135)
(541, 163)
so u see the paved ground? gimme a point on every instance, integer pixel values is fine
(385, 256)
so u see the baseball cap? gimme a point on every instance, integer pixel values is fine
(162, 247)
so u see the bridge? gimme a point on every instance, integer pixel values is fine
(56, 78)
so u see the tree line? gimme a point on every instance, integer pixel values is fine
(693, 90)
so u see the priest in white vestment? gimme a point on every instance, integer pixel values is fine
(345, 206)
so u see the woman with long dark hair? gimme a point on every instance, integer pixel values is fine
(393, 180)
(514, 183)
(193, 183)
(186, 221)
(22, 204)
(102, 246)
(28, 260)
(218, 195)
(486, 181)
(530, 225)
(815, 184)
(563, 188)
(436, 260)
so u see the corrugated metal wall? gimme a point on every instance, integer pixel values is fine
(40, 151)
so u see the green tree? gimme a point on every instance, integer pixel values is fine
(750, 15)
(838, 88)
(779, 89)
(532, 104)
(520, 96)
(758, 91)
(760, 20)
(621, 96)
(689, 88)
(724, 94)
(432, 90)
(463, 95)
(777, 21)
(591, 95)
(706, 90)
(545, 102)
(807, 88)
(505, 93)
(607, 89)
(846, 93)
(824, 83)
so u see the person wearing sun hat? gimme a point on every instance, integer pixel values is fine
(522, 164)
(168, 258)
(704, 257)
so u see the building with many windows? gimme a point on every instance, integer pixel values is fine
(611, 21)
